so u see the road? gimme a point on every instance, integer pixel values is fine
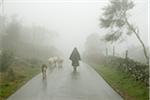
(66, 84)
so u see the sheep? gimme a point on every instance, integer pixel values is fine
(60, 62)
(55, 61)
(44, 68)
(51, 62)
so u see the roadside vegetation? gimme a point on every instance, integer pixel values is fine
(127, 76)
(130, 84)
(123, 83)
(16, 75)
(22, 51)
(114, 57)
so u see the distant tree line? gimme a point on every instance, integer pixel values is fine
(20, 41)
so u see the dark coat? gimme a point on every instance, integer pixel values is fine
(75, 57)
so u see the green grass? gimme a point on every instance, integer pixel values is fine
(8, 88)
(23, 74)
(124, 84)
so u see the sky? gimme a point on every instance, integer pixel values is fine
(74, 20)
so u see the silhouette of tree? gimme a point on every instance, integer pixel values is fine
(116, 19)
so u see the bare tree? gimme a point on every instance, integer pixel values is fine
(116, 19)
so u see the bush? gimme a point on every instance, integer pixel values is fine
(6, 59)
(33, 61)
(11, 75)
(139, 71)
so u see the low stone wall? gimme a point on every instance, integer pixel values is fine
(139, 71)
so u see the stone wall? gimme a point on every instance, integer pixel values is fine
(139, 71)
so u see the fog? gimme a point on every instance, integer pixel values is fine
(73, 21)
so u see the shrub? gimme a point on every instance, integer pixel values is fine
(139, 71)
(6, 59)
(11, 75)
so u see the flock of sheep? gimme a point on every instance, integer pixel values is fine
(53, 63)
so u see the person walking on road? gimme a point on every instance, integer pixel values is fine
(75, 57)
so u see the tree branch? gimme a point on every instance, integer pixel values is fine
(140, 40)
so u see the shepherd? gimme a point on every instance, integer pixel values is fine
(75, 57)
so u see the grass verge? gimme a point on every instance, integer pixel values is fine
(23, 74)
(125, 85)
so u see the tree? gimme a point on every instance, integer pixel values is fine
(6, 59)
(2, 28)
(11, 38)
(11, 74)
(93, 52)
(116, 19)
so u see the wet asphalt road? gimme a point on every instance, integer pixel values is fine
(66, 84)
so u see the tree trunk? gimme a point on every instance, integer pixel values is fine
(106, 52)
(140, 40)
(144, 48)
(126, 54)
(113, 50)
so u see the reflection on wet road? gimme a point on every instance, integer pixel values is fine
(66, 84)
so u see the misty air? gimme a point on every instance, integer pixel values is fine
(74, 49)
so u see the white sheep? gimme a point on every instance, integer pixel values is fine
(60, 62)
(55, 61)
